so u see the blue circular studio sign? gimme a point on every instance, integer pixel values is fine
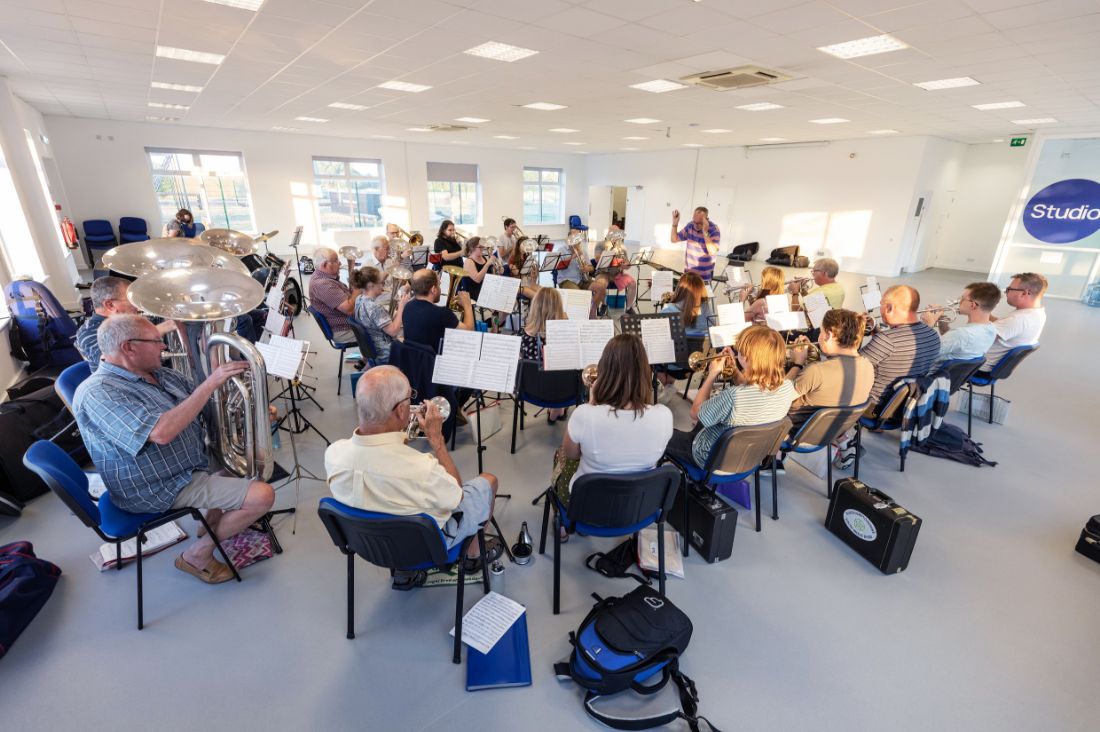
(1064, 212)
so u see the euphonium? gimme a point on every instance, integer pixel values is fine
(457, 275)
(412, 431)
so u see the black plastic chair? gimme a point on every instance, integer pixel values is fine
(887, 416)
(744, 252)
(417, 362)
(736, 455)
(544, 389)
(396, 543)
(65, 478)
(326, 331)
(823, 427)
(1001, 370)
(606, 504)
(363, 339)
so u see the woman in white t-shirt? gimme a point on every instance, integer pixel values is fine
(618, 430)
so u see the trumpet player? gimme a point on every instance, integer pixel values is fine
(374, 470)
(108, 298)
(477, 264)
(824, 274)
(506, 242)
(973, 339)
(842, 378)
(140, 423)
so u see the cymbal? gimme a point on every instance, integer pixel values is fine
(235, 242)
(196, 294)
(143, 257)
(351, 252)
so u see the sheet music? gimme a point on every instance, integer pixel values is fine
(657, 338)
(496, 369)
(452, 370)
(562, 351)
(275, 322)
(726, 335)
(546, 277)
(786, 321)
(816, 317)
(872, 283)
(283, 357)
(871, 299)
(444, 288)
(777, 304)
(462, 343)
(488, 621)
(498, 293)
(661, 285)
(731, 313)
(577, 303)
(816, 305)
(604, 261)
(280, 281)
(593, 336)
(274, 298)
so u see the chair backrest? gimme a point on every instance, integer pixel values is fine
(611, 500)
(828, 423)
(65, 478)
(394, 542)
(322, 323)
(1008, 363)
(362, 337)
(417, 362)
(97, 227)
(133, 224)
(199, 228)
(72, 377)
(959, 370)
(575, 223)
(741, 449)
(892, 405)
(548, 387)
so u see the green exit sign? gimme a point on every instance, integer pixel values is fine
(1017, 142)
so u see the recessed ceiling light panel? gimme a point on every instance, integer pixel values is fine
(252, 5)
(692, 144)
(954, 83)
(159, 105)
(500, 51)
(642, 121)
(1036, 121)
(311, 119)
(635, 137)
(184, 54)
(472, 120)
(829, 121)
(544, 106)
(563, 130)
(659, 86)
(998, 105)
(863, 47)
(177, 87)
(883, 132)
(419, 129)
(716, 131)
(773, 139)
(505, 137)
(574, 143)
(345, 105)
(760, 107)
(286, 129)
(403, 86)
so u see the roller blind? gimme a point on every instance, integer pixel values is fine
(452, 172)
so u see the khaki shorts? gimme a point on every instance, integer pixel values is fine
(472, 511)
(207, 490)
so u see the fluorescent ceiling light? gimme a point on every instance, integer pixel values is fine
(642, 121)
(773, 139)
(574, 143)
(505, 137)
(286, 129)
(863, 47)
(998, 105)
(659, 86)
(242, 4)
(1036, 121)
(460, 142)
(403, 86)
(544, 106)
(716, 131)
(345, 105)
(472, 120)
(310, 119)
(760, 107)
(177, 87)
(829, 121)
(419, 129)
(635, 137)
(500, 51)
(883, 132)
(563, 130)
(159, 105)
(183, 54)
(692, 144)
(947, 83)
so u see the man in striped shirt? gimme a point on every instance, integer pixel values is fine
(702, 237)
(907, 348)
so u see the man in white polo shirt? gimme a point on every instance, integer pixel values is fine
(1024, 325)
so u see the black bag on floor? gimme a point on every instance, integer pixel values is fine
(37, 416)
(869, 521)
(26, 582)
(625, 643)
(783, 256)
(711, 521)
(1089, 542)
(954, 444)
(618, 562)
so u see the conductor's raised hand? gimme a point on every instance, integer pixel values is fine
(675, 216)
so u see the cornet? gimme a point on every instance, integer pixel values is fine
(948, 312)
(815, 352)
(589, 374)
(698, 361)
(412, 431)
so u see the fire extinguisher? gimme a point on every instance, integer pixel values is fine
(68, 232)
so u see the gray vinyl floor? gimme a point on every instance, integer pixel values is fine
(993, 626)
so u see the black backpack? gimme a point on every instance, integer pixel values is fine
(625, 643)
(954, 444)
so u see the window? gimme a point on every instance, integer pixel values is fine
(348, 192)
(212, 185)
(542, 195)
(452, 193)
(16, 243)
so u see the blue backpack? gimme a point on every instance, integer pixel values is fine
(43, 332)
(633, 642)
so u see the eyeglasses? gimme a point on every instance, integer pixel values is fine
(409, 398)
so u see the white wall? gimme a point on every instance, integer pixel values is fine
(106, 174)
(935, 181)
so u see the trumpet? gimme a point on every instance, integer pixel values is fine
(815, 352)
(948, 312)
(589, 374)
(412, 431)
(698, 361)
(805, 284)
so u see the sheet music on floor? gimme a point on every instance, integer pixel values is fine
(661, 284)
(488, 621)
(477, 360)
(576, 303)
(284, 357)
(498, 293)
(573, 344)
(157, 539)
(816, 305)
(726, 335)
(731, 313)
(657, 338)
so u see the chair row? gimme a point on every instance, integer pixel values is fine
(99, 234)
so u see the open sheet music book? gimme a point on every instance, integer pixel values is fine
(726, 335)
(486, 361)
(661, 284)
(577, 303)
(573, 344)
(284, 357)
(815, 305)
(157, 539)
(444, 288)
(498, 293)
(657, 338)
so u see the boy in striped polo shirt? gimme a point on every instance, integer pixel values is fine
(702, 237)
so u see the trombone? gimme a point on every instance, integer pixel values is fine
(461, 236)
(413, 239)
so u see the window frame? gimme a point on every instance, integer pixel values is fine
(210, 211)
(559, 219)
(455, 192)
(360, 220)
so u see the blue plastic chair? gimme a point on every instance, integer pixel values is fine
(575, 223)
(99, 234)
(544, 389)
(736, 455)
(823, 427)
(609, 505)
(887, 417)
(1001, 370)
(131, 228)
(65, 478)
(72, 377)
(326, 331)
(397, 543)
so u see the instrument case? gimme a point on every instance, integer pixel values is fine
(869, 521)
(711, 520)
(1089, 543)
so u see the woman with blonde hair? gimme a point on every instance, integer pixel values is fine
(761, 393)
(546, 305)
(771, 283)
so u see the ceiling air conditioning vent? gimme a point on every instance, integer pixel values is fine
(448, 128)
(742, 77)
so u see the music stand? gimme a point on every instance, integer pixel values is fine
(633, 324)
(548, 265)
(418, 257)
(294, 243)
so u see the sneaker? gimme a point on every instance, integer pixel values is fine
(631, 311)
(844, 460)
(601, 310)
(405, 580)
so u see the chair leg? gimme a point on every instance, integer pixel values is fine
(970, 410)
(687, 386)
(756, 498)
(340, 373)
(483, 549)
(859, 442)
(351, 595)
(829, 472)
(661, 557)
(775, 492)
(140, 599)
(515, 424)
(686, 518)
(459, 592)
(545, 520)
(992, 386)
(902, 460)
(118, 556)
(557, 564)
(218, 544)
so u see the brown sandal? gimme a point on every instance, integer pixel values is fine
(213, 574)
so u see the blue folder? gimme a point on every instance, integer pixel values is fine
(508, 663)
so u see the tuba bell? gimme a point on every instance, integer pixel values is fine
(457, 275)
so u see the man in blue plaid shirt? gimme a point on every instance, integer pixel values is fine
(140, 423)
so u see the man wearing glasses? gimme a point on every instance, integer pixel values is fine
(973, 339)
(824, 274)
(140, 423)
(1024, 325)
(375, 470)
(108, 298)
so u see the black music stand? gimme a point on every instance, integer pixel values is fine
(633, 324)
(418, 257)
(294, 243)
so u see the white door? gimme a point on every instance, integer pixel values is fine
(635, 216)
(599, 211)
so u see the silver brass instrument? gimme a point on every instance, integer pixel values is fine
(805, 284)
(236, 243)
(489, 246)
(815, 352)
(144, 257)
(352, 254)
(412, 431)
(948, 313)
(203, 299)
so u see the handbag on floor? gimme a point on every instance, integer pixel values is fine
(26, 582)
